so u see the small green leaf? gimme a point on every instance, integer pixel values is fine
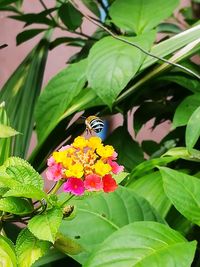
(7, 2)
(133, 15)
(70, 16)
(193, 129)
(183, 153)
(28, 191)
(25, 174)
(7, 131)
(168, 27)
(68, 41)
(92, 6)
(184, 192)
(45, 226)
(7, 253)
(185, 110)
(5, 144)
(27, 35)
(113, 63)
(142, 244)
(16, 205)
(29, 248)
(148, 165)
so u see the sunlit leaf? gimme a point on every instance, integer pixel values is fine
(144, 244)
(29, 248)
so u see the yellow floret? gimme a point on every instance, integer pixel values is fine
(75, 170)
(80, 142)
(105, 151)
(102, 168)
(94, 142)
(59, 156)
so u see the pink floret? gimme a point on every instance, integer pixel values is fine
(116, 168)
(74, 186)
(93, 182)
(54, 172)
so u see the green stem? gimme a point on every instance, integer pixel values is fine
(64, 202)
(56, 187)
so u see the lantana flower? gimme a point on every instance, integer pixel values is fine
(84, 166)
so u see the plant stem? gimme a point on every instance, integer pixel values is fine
(97, 23)
(55, 187)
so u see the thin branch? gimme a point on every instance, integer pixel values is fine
(132, 44)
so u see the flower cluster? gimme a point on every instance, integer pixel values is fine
(86, 165)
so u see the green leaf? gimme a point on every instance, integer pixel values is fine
(104, 214)
(193, 129)
(7, 131)
(7, 2)
(29, 248)
(59, 93)
(70, 16)
(184, 192)
(23, 87)
(5, 144)
(16, 205)
(92, 6)
(39, 18)
(112, 64)
(150, 187)
(67, 245)
(148, 165)
(27, 35)
(185, 110)
(186, 81)
(49, 222)
(7, 253)
(68, 41)
(51, 256)
(132, 15)
(7, 181)
(129, 152)
(28, 191)
(143, 244)
(26, 175)
(171, 45)
(183, 153)
(168, 27)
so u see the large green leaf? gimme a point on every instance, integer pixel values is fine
(141, 16)
(5, 144)
(185, 110)
(129, 152)
(104, 214)
(150, 187)
(7, 253)
(58, 96)
(112, 64)
(45, 226)
(29, 248)
(20, 94)
(143, 244)
(184, 192)
(193, 129)
(16, 205)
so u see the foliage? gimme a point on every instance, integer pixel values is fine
(151, 218)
